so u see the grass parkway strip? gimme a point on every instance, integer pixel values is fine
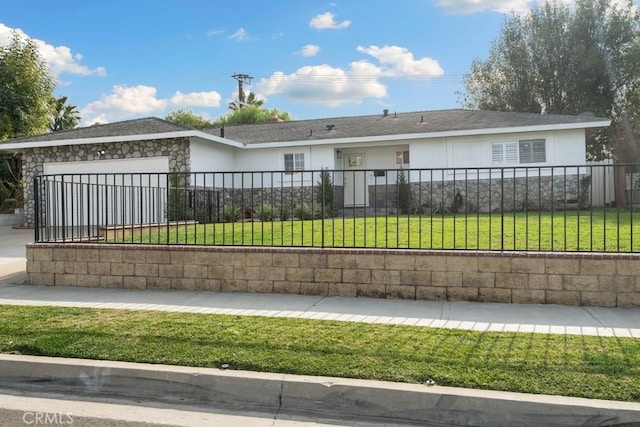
(581, 366)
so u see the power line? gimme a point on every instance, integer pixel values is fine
(242, 78)
(355, 78)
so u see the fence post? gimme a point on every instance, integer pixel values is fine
(620, 186)
(502, 209)
(36, 209)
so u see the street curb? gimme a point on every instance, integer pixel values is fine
(336, 397)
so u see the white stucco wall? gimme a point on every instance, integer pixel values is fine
(211, 160)
(272, 160)
(428, 153)
(209, 156)
(566, 147)
(562, 147)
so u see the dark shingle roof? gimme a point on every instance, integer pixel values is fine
(392, 124)
(420, 122)
(149, 125)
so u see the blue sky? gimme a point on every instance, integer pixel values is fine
(120, 59)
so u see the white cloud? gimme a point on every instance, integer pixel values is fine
(325, 21)
(501, 6)
(331, 86)
(322, 84)
(240, 35)
(309, 50)
(130, 101)
(196, 99)
(402, 63)
(475, 6)
(59, 58)
(212, 33)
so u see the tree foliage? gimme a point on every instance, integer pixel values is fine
(247, 115)
(188, 118)
(11, 182)
(64, 116)
(251, 100)
(561, 60)
(26, 88)
(251, 114)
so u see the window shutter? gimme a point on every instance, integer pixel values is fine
(511, 153)
(496, 154)
(293, 162)
(532, 151)
(539, 154)
(288, 162)
(504, 153)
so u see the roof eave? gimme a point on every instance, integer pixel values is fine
(20, 146)
(430, 135)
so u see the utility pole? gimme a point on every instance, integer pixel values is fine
(241, 78)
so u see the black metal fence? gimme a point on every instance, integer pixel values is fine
(590, 208)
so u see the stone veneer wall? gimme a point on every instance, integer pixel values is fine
(176, 149)
(531, 193)
(609, 280)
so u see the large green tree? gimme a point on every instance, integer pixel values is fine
(557, 59)
(64, 115)
(26, 88)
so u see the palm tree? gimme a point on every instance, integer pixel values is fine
(251, 100)
(65, 116)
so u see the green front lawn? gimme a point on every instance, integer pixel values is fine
(600, 230)
(592, 367)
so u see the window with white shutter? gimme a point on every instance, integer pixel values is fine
(293, 162)
(504, 153)
(524, 151)
(532, 151)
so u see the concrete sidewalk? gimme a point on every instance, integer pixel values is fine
(13, 260)
(550, 319)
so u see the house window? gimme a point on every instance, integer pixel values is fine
(293, 162)
(532, 151)
(402, 157)
(523, 151)
(504, 153)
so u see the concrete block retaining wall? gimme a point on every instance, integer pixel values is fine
(607, 280)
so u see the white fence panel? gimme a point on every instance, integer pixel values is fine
(603, 190)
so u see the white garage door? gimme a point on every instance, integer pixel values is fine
(85, 195)
(138, 165)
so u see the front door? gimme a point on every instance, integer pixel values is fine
(355, 190)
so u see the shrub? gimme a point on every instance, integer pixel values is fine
(584, 198)
(404, 196)
(231, 214)
(266, 213)
(9, 206)
(285, 213)
(176, 209)
(324, 193)
(303, 211)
